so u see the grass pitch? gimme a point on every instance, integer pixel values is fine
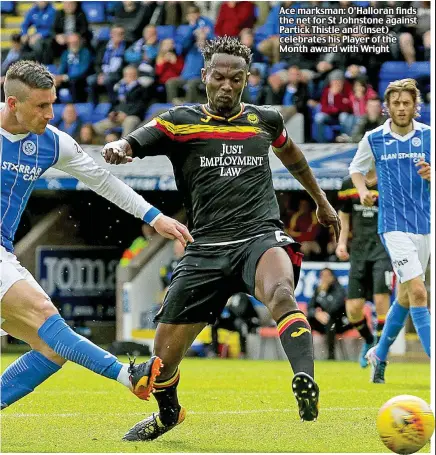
(233, 406)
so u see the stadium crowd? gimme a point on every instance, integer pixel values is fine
(118, 64)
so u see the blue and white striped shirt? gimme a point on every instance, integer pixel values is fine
(25, 157)
(404, 196)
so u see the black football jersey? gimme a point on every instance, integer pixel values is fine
(221, 167)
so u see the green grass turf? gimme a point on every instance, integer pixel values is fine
(233, 406)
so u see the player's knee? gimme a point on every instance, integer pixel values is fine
(282, 295)
(44, 308)
(418, 294)
(354, 309)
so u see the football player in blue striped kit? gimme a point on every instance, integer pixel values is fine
(29, 146)
(401, 151)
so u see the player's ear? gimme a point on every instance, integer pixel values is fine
(12, 102)
(203, 75)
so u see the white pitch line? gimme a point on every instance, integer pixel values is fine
(119, 414)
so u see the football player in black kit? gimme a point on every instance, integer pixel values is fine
(219, 153)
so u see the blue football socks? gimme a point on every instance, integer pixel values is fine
(22, 376)
(71, 346)
(395, 321)
(421, 321)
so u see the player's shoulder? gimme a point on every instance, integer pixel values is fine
(376, 131)
(182, 114)
(55, 132)
(422, 126)
(266, 113)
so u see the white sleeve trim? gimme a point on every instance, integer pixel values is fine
(363, 159)
(74, 161)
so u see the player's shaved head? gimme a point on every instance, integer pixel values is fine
(395, 89)
(25, 75)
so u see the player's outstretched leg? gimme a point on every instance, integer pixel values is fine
(354, 308)
(31, 316)
(275, 288)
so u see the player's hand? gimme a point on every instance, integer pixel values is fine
(327, 216)
(425, 170)
(118, 152)
(341, 252)
(171, 229)
(367, 198)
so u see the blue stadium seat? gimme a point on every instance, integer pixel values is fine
(260, 34)
(425, 114)
(57, 111)
(94, 12)
(278, 67)
(157, 107)
(64, 95)
(181, 32)
(262, 67)
(84, 111)
(100, 112)
(7, 7)
(165, 31)
(391, 71)
(103, 34)
(53, 69)
(419, 69)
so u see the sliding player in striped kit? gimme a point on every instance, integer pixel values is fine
(29, 146)
(401, 151)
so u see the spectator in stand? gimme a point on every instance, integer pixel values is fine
(247, 39)
(132, 17)
(305, 229)
(254, 92)
(233, 17)
(270, 47)
(360, 95)
(16, 52)
(336, 108)
(129, 109)
(41, 16)
(190, 77)
(372, 119)
(414, 37)
(169, 65)
(70, 19)
(76, 63)
(87, 135)
(109, 66)
(70, 122)
(290, 93)
(326, 309)
(196, 22)
(143, 53)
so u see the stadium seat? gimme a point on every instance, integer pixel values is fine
(53, 69)
(7, 7)
(419, 69)
(64, 95)
(94, 12)
(278, 67)
(181, 32)
(84, 111)
(262, 67)
(157, 107)
(100, 112)
(425, 114)
(103, 34)
(57, 111)
(260, 34)
(165, 31)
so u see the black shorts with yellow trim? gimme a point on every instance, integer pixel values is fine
(367, 278)
(208, 275)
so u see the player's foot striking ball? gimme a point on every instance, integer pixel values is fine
(220, 156)
(306, 392)
(143, 376)
(363, 361)
(152, 427)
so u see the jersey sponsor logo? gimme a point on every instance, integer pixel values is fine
(391, 141)
(30, 173)
(367, 212)
(231, 160)
(416, 142)
(299, 332)
(29, 148)
(253, 118)
(403, 156)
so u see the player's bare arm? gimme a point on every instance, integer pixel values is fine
(424, 170)
(366, 197)
(341, 249)
(295, 162)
